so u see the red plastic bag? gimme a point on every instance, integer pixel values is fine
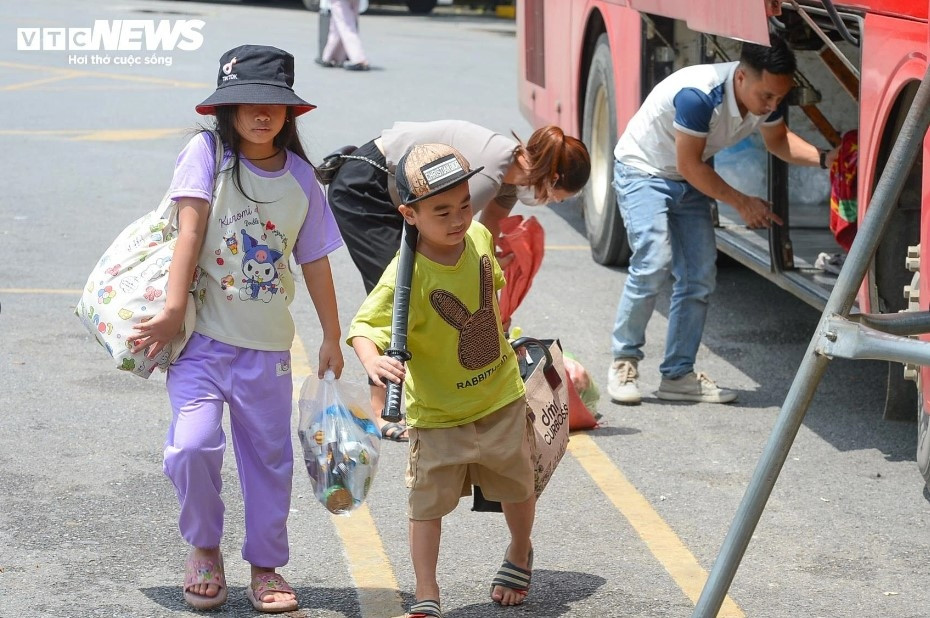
(579, 416)
(526, 239)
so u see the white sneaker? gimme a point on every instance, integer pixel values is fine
(830, 262)
(621, 382)
(694, 387)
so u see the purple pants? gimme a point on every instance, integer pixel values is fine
(258, 388)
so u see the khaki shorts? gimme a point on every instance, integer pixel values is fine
(495, 453)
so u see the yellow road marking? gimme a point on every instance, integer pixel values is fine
(375, 584)
(37, 82)
(42, 132)
(371, 569)
(567, 248)
(39, 291)
(69, 73)
(114, 135)
(104, 87)
(101, 135)
(658, 536)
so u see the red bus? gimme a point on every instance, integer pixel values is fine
(587, 65)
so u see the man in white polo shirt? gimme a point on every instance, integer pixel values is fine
(664, 185)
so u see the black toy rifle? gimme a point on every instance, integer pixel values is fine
(398, 349)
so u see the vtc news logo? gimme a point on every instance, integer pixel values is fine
(115, 36)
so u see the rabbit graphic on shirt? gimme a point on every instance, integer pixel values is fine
(479, 342)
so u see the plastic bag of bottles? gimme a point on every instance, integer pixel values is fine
(341, 444)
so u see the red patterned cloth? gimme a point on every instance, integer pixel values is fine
(844, 202)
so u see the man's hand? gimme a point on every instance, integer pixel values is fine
(831, 157)
(757, 213)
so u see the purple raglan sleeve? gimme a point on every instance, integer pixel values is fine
(319, 235)
(193, 172)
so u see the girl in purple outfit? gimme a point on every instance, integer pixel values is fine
(237, 233)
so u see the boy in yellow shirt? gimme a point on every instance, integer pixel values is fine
(466, 406)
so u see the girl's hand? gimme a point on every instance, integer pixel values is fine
(380, 368)
(157, 332)
(331, 358)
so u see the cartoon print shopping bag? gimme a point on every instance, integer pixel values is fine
(129, 285)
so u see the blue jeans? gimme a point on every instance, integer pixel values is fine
(670, 230)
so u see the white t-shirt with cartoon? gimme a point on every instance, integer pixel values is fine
(243, 284)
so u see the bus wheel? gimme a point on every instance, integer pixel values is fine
(923, 435)
(602, 221)
(913, 372)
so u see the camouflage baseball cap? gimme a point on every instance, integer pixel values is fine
(429, 169)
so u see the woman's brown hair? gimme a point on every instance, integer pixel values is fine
(550, 153)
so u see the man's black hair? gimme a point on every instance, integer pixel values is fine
(777, 59)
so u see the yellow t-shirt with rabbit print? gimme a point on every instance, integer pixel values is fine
(462, 367)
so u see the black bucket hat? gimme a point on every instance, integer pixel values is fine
(428, 169)
(255, 75)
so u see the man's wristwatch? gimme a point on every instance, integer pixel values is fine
(823, 159)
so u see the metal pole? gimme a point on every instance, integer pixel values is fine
(887, 192)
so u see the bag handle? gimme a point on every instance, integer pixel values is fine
(549, 370)
(162, 211)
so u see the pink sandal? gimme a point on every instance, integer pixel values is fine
(265, 583)
(204, 572)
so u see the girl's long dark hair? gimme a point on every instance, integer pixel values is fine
(225, 125)
(549, 152)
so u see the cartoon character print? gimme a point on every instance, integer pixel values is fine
(151, 272)
(479, 344)
(232, 243)
(258, 266)
(129, 283)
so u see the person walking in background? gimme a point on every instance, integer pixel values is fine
(664, 185)
(343, 46)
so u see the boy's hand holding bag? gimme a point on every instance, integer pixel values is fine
(129, 284)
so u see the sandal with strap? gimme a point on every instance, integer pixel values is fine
(265, 583)
(513, 577)
(204, 571)
(425, 609)
(394, 432)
